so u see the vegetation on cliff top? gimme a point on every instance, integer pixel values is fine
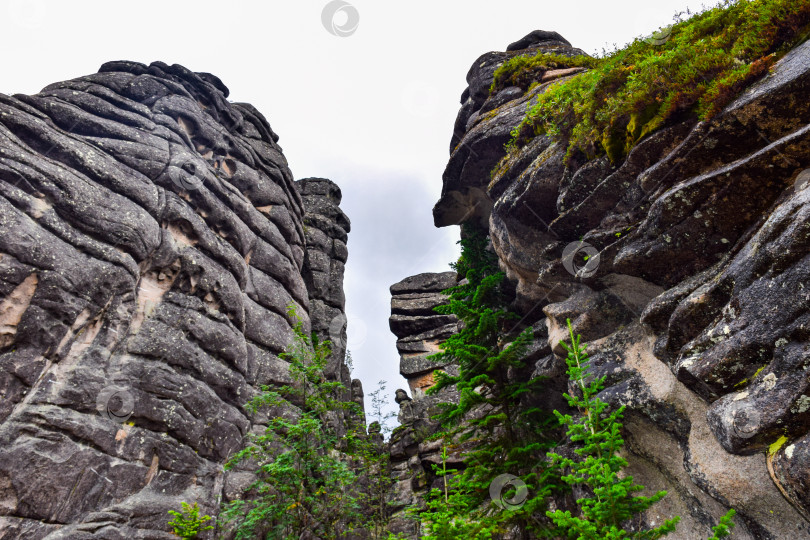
(524, 70)
(693, 68)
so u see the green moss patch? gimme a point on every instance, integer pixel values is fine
(523, 71)
(696, 69)
(779, 443)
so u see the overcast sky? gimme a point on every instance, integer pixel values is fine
(372, 110)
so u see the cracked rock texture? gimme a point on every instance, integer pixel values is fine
(419, 330)
(151, 241)
(695, 302)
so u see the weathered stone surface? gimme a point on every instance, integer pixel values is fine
(151, 242)
(483, 126)
(425, 283)
(693, 302)
(326, 230)
(536, 38)
(420, 329)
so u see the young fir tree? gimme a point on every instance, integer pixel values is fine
(598, 431)
(447, 513)
(188, 523)
(723, 528)
(493, 384)
(303, 484)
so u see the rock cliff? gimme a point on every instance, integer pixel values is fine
(419, 330)
(151, 241)
(693, 299)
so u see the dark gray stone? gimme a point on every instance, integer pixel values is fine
(152, 240)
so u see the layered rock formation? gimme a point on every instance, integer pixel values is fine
(326, 230)
(693, 299)
(419, 330)
(151, 242)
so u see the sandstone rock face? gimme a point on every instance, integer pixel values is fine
(694, 299)
(419, 330)
(151, 241)
(326, 231)
(483, 126)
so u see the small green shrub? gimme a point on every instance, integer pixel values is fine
(598, 431)
(723, 529)
(454, 512)
(303, 481)
(188, 523)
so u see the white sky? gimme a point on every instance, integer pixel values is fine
(373, 111)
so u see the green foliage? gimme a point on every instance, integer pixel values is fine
(598, 432)
(705, 62)
(189, 523)
(303, 483)
(454, 514)
(723, 529)
(523, 70)
(378, 482)
(454, 517)
(494, 384)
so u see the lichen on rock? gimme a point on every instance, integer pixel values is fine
(693, 303)
(152, 240)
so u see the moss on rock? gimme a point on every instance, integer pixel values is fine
(696, 69)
